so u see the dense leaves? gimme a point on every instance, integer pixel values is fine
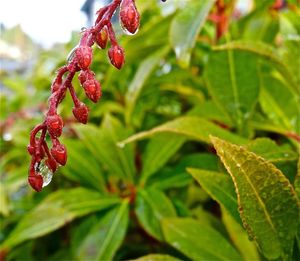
(191, 154)
(197, 241)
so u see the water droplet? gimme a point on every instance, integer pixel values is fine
(7, 136)
(126, 31)
(166, 68)
(178, 51)
(71, 54)
(45, 172)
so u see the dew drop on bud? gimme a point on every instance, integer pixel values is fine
(129, 17)
(71, 54)
(45, 172)
(126, 31)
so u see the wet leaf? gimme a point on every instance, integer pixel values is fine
(274, 100)
(102, 143)
(233, 81)
(267, 53)
(267, 201)
(106, 236)
(142, 74)
(152, 206)
(55, 211)
(156, 155)
(240, 238)
(192, 128)
(270, 151)
(220, 187)
(197, 241)
(188, 22)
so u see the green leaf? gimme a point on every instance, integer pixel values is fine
(240, 238)
(267, 201)
(81, 230)
(232, 79)
(156, 257)
(92, 176)
(206, 218)
(267, 53)
(106, 236)
(261, 27)
(291, 49)
(142, 74)
(188, 22)
(297, 189)
(4, 204)
(102, 143)
(297, 179)
(151, 207)
(176, 176)
(220, 187)
(280, 104)
(269, 150)
(197, 241)
(55, 211)
(193, 128)
(211, 111)
(156, 155)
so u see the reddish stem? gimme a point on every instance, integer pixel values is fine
(294, 136)
(73, 95)
(111, 34)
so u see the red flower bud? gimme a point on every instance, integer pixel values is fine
(82, 77)
(35, 150)
(59, 153)
(85, 75)
(84, 56)
(116, 56)
(81, 113)
(101, 38)
(92, 89)
(129, 16)
(51, 164)
(36, 181)
(54, 125)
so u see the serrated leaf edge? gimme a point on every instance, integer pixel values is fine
(269, 165)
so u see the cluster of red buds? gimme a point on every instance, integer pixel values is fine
(45, 161)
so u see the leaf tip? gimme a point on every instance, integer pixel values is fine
(121, 144)
(214, 140)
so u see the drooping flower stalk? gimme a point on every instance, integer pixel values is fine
(45, 161)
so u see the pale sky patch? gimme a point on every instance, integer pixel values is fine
(46, 21)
